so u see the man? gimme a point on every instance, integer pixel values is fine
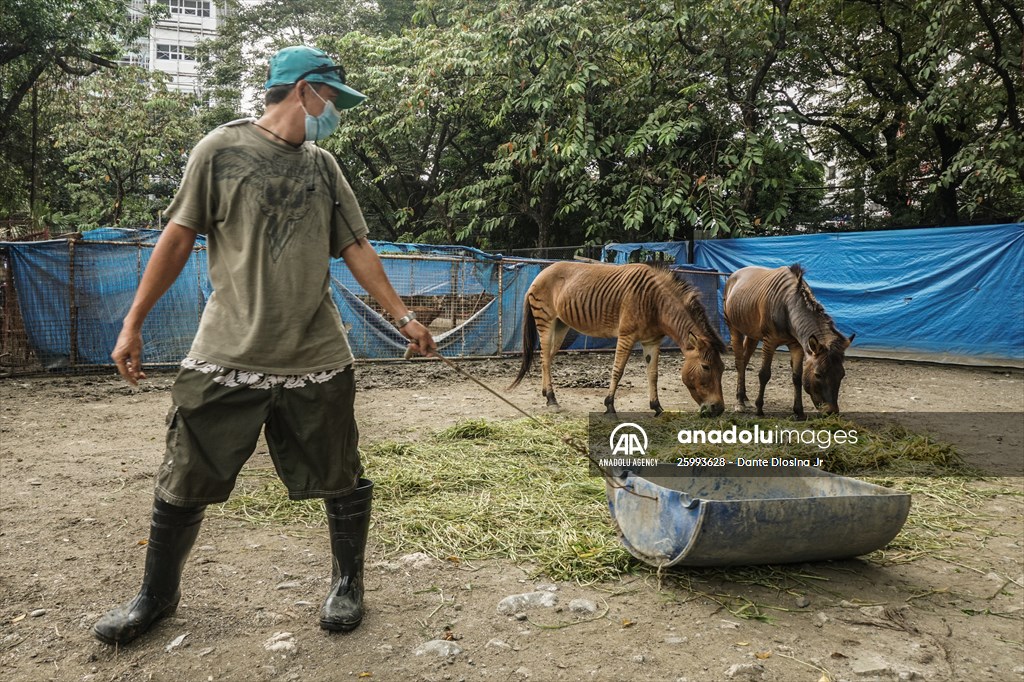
(270, 350)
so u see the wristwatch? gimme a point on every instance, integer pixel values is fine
(405, 319)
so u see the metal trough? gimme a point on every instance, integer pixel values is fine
(735, 518)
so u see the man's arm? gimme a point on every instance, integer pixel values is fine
(169, 256)
(364, 264)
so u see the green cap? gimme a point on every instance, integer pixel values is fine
(293, 64)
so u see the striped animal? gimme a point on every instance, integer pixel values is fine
(634, 303)
(778, 308)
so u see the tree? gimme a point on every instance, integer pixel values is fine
(539, 73)
(922, 100)
(544, 123)
(739, 55)
(48, 45)
(124, 147)
(547, 123)
(78, 37)
(639, 121)
(235, 59)
(416, 135)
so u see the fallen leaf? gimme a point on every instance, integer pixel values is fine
(17, 618)
(762, 655)
(176, 643)
(366, 674)
(742, 643)
(824, 678)
(142, 543)
(836, 654)
(627, 623)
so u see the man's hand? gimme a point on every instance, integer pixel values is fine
(127, 355)
(420, 336)
(170, 254)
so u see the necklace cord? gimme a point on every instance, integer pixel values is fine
(287, 142)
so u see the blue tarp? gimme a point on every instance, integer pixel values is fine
(433, 250)
(74, 294)
(373, 336)
(947, 294)
(941, 293)
(620, 253)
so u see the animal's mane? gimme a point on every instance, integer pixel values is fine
(689, 296)
(804, 290)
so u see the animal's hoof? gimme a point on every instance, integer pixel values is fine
(741, 408)
(799, 416)
(555, 407)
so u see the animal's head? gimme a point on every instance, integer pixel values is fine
(702, 374)
(823, 372)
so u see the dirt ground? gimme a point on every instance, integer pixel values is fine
(77, 457)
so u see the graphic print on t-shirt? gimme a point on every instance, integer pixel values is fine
(278, 186)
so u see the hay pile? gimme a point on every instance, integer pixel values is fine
(515, 490)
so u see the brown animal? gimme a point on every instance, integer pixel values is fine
(778, 308)
(633, 303)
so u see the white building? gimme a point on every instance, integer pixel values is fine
(171, 46)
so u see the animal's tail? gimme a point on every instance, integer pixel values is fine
(529, 342)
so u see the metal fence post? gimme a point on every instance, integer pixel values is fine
(72, 305)
(501, 306)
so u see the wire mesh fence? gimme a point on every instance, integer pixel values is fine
(63, 302)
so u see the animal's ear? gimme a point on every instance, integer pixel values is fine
(814, 345)
(850, 340)
(695, 342)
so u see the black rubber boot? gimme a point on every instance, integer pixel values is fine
(348, 519)
(171, 536)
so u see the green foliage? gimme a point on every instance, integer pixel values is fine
(48, 45)
(619, 128)
(400, 146)
(75, 36)
(539, 82)
(543, 123)
(416, 135)
(124, 138)
(922, 102)
(235, 59)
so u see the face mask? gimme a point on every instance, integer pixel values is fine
(321, 127)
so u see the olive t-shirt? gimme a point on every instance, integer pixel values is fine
(268, 213)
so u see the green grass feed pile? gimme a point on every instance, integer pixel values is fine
(515, 490)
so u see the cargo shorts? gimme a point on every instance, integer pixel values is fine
(215, 421)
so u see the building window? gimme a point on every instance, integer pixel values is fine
(180, 52)
(136, 59)
(189, 8)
